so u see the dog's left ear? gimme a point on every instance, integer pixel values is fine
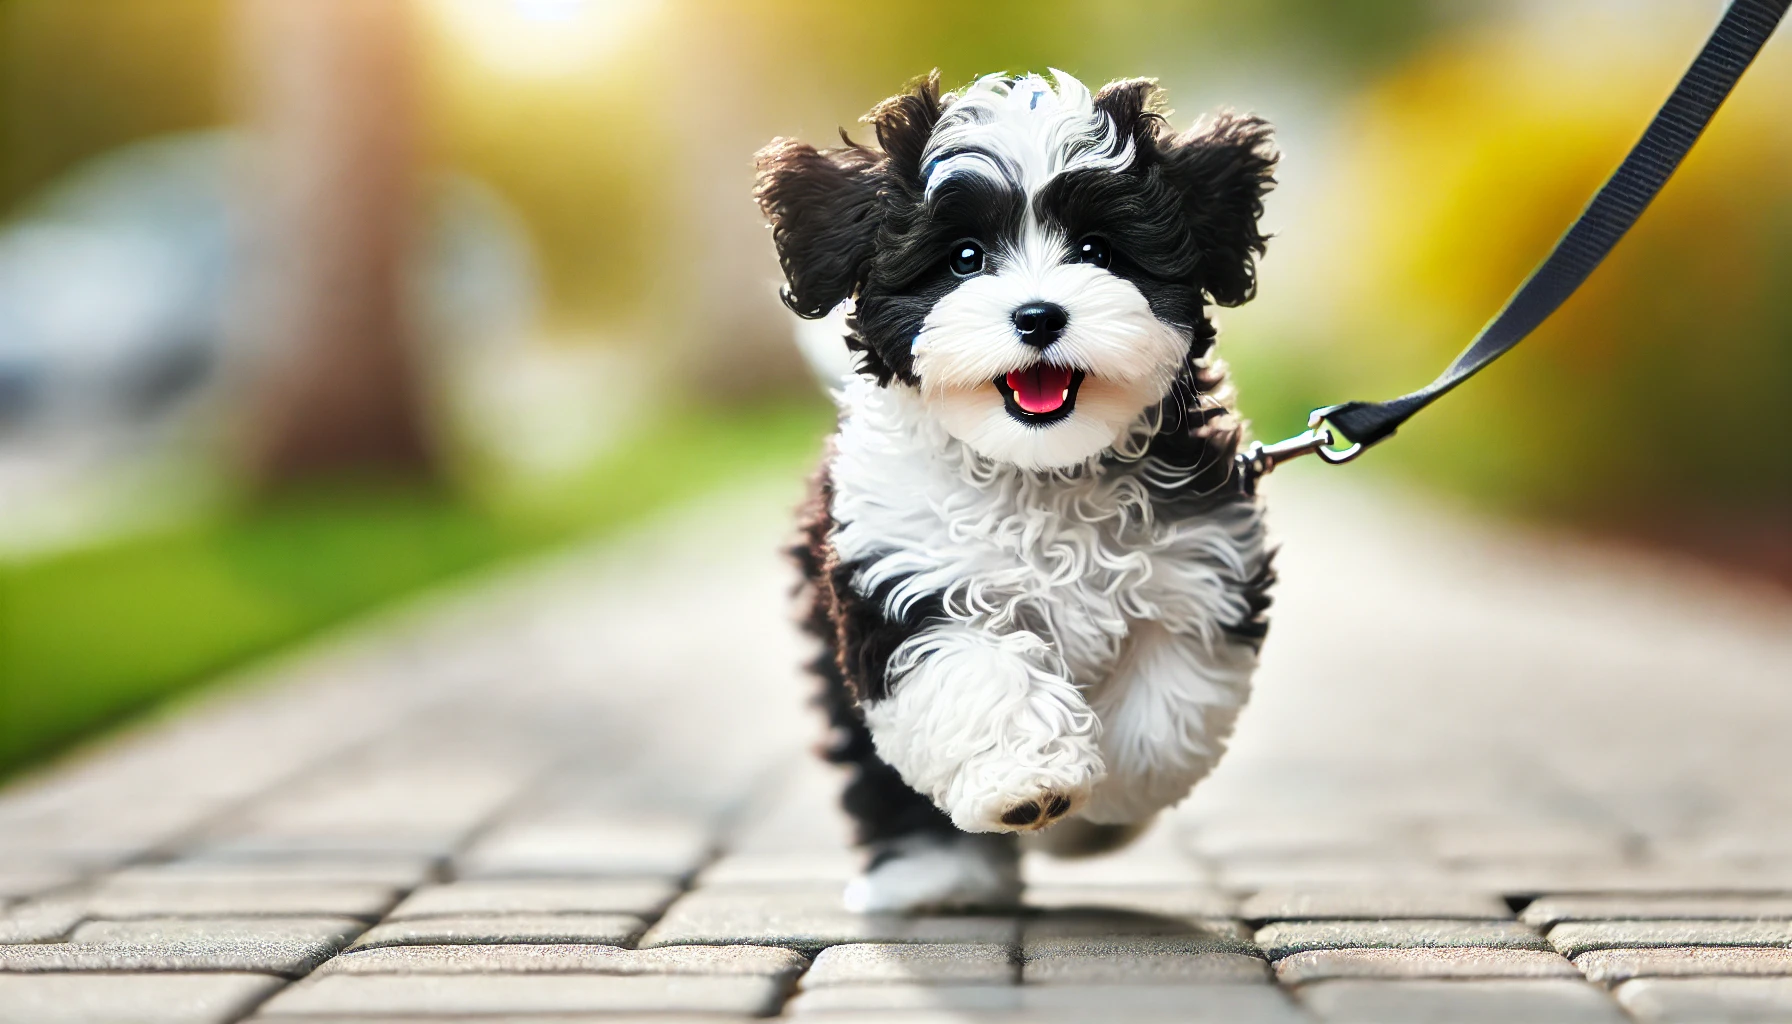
(826, 206)
(1223, 169)
(823, 208)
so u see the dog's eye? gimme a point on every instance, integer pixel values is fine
(1094, 249)
(966, 258)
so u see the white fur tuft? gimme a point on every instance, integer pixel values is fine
(1023, 131)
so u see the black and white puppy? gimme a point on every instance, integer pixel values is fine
(1040, 592)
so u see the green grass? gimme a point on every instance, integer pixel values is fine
(90, 637)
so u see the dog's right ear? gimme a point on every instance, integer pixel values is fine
(823, 206)
(826, 206)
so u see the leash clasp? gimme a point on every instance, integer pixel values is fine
(1318, 439)
(1325, 451)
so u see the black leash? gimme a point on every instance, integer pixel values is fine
(1614, 209)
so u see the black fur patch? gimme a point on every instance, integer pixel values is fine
(868, 636)
(1198, 438)
(823, 211)
(909, 275)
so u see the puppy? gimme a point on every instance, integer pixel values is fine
(1039, 587)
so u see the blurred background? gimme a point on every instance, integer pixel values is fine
(306, 305)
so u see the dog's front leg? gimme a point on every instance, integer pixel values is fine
(989, 726)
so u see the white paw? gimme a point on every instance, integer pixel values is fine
(938, 873)
(990, 727)
(995, 794)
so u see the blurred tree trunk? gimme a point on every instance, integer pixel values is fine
(332, 384)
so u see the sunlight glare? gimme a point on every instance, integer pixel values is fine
(540, 38)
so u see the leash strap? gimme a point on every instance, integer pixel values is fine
(1745, 27)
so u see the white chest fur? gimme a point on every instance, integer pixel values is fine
(1076, 557)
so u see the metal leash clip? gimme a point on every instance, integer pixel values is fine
(1261, 459)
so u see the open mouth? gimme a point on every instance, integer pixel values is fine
(1041, 393)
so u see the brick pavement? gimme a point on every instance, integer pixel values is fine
(1487, 777)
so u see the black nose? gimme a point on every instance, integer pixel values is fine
(1040, 323)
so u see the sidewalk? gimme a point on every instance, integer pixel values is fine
(1485, 777)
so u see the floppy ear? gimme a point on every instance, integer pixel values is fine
(826, 206)
(1223, 169)
(823, 206)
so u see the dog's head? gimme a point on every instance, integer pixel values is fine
(1035, 260)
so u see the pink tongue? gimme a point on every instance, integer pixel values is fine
(1040, 388)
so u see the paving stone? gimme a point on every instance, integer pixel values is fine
(1192, 901)
(1286, 937)
(1535, 877)
(285, 946)
(640, 897)
(1550, 910)
(1494, 840)
(1327, 872)
(1373, 902)
(393, 872)
(1101, 923)
(1243, 838)
(763, 869)
(235, 897)
(1573, 938)
(1759, 840)
(463, 994)
(1460, 1002)
(40, 920)
(1191, 1004)
(672, 848)
(1461, 962)
(765, 961)
(428, 786)
(182, 929)
(808, 918)
(1695, 876)
(1708, 1000)
(130, 998)
(435, 847)
(533, 1018)
(86, 841)
(863, 963)
(1139, 960)
(18, 881)
(1150, 861)
(291, 959)
(496, 929)
(1610, 966)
